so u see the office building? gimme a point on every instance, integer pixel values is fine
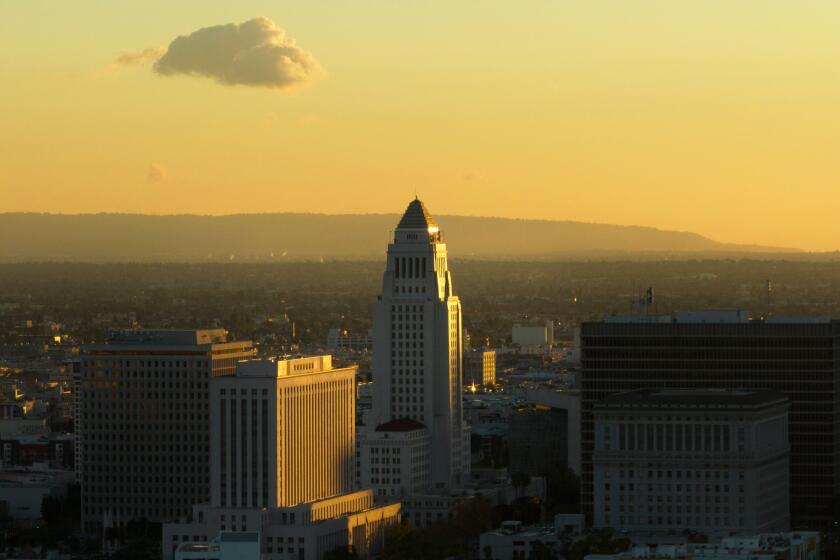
(671, 460)
(568, 401)
(417, 362)
(228, 545)
(283, 450)
(513, 541)
(798, 357)
(480, 367)
(798, 545)
(533, 335)
(305, 404)
(398, 459)
(538, 439)
(340, 340)
(143, 422)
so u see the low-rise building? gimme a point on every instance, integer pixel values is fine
(283, 450)
(800, 545)
(226, 546)
(533, 335)
(513, 541)
(394, 459)
(306, 531)
(715, 461)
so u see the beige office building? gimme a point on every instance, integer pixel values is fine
(283, 453)
(143, 423)
(284, 432)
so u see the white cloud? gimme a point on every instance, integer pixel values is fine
(253, 53)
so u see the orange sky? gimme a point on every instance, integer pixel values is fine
(715, 117)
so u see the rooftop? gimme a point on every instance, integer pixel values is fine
(229, 536)
(401, 425)
(277, 367)
(692, 398)
(717, 316)
(416, 217)
(168, 337)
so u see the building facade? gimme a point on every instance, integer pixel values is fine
(227, 546)
(307, 406)
(283, 453)
(713, 461)
(417, 330)
(538, 439)
(512, 541)
(798, 357)
(533, 335)
(306, 531)
(144, 407)
(339, 340)
(397, 456)
(480, 367)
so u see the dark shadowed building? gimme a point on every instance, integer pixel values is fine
(797, 357)
(538, 439)
(143, 423)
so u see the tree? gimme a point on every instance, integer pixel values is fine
(520, 481)
(542, 551)
(601, 542)
(526, 509)
(562, 490)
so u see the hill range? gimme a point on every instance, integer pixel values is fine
(289, 236)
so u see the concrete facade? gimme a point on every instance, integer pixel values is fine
(144, 407)
(713, 461)
(284, 432)
(798, 357)
(417, 361)
(283, 464)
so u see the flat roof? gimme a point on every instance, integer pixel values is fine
(716, 316)
(168, 336)
(401, 425)
(693, 398)
(164, 342)
(247, 536)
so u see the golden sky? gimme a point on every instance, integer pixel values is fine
(719, 117)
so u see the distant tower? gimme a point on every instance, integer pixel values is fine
(769, 289)
(417, 344)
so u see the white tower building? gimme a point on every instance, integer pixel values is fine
(417, 346)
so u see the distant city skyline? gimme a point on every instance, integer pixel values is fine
(714, 118)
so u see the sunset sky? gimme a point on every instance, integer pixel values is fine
(719, 117)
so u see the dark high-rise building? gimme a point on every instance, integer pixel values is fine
(538, 439)
(143, 423)
(798, 357)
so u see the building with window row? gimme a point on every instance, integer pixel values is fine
(143, 408)
(713, 461)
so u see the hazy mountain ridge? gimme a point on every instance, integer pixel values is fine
(103, 237)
